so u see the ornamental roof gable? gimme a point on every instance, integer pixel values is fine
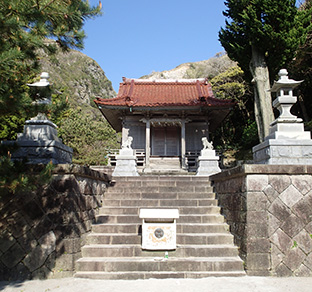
(164, 93)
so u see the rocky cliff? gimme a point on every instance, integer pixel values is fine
(79, 76)
(202, 69)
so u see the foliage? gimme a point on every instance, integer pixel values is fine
(28, 28)
(90, 138)
(17, 176)
(263, 36)
(249, 135)
(301, 69)
(25, 26)
(234, 133)
(10, 125)
(275, 27)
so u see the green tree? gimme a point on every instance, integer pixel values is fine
(28, 27)
(91, 138)
(263, 36)
(25, 27)
(236, 131)
(301, 69)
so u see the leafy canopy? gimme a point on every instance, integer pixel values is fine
(90, 138)
(274, 27)
(25, 27)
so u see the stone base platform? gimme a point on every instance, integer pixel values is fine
(283, 151)
(42, 151)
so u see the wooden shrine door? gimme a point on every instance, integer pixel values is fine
(166, 141)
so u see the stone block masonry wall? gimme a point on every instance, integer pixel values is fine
(269, 210)
(41, 233)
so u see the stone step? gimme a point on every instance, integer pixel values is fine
(156, 275)
(187, 239)
(133, 228)
(191, 188)
(160, 203)
(113, 238)
(182, 210)
(205, 228)
(146, 264)
(200, 238)
(158, 196)
(124, 250)
(191, 218)
(204, 245)
(153, 177)
(157, 183)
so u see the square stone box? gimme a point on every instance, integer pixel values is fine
(159, 230)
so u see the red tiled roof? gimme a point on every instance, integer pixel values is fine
(160, 93)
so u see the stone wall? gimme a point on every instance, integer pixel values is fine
(269, 210)
(41, 233)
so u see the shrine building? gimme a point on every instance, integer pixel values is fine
(166, 118)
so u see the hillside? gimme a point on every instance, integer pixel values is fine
(80, 77)
(76, 80)
(207, 68)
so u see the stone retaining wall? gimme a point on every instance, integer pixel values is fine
(269, 210)
(41, 233)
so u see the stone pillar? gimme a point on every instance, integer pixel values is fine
(147, 146)
(208, 133)
(125, 132)
(183, 145)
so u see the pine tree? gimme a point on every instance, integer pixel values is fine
(262, 37)
(301, 69)
(25, 28)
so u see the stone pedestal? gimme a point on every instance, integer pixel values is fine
(283, 151)
(208, 163)
(126, 163)
(39, 143)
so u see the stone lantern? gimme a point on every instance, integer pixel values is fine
(287, 142)
(39, 143)
(42, 89)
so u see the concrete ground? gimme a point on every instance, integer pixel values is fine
(222, 284)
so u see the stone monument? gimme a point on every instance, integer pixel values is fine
(126, 160)
(287, 142)
(208, 161)
(39, 142)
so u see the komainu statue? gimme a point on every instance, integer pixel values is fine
(207, 144)
(127, 143)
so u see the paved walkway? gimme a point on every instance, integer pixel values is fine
(240, 284)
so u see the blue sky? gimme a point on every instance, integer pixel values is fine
(134, 38)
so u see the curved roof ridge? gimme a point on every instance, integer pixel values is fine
(191, 81)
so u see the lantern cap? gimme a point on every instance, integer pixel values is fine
(43, 81)
(284, 82)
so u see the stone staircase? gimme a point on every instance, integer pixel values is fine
(204, 244)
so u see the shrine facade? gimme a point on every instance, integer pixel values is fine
(167, 119)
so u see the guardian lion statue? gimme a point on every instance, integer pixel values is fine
(207, 144)
(127, 143)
